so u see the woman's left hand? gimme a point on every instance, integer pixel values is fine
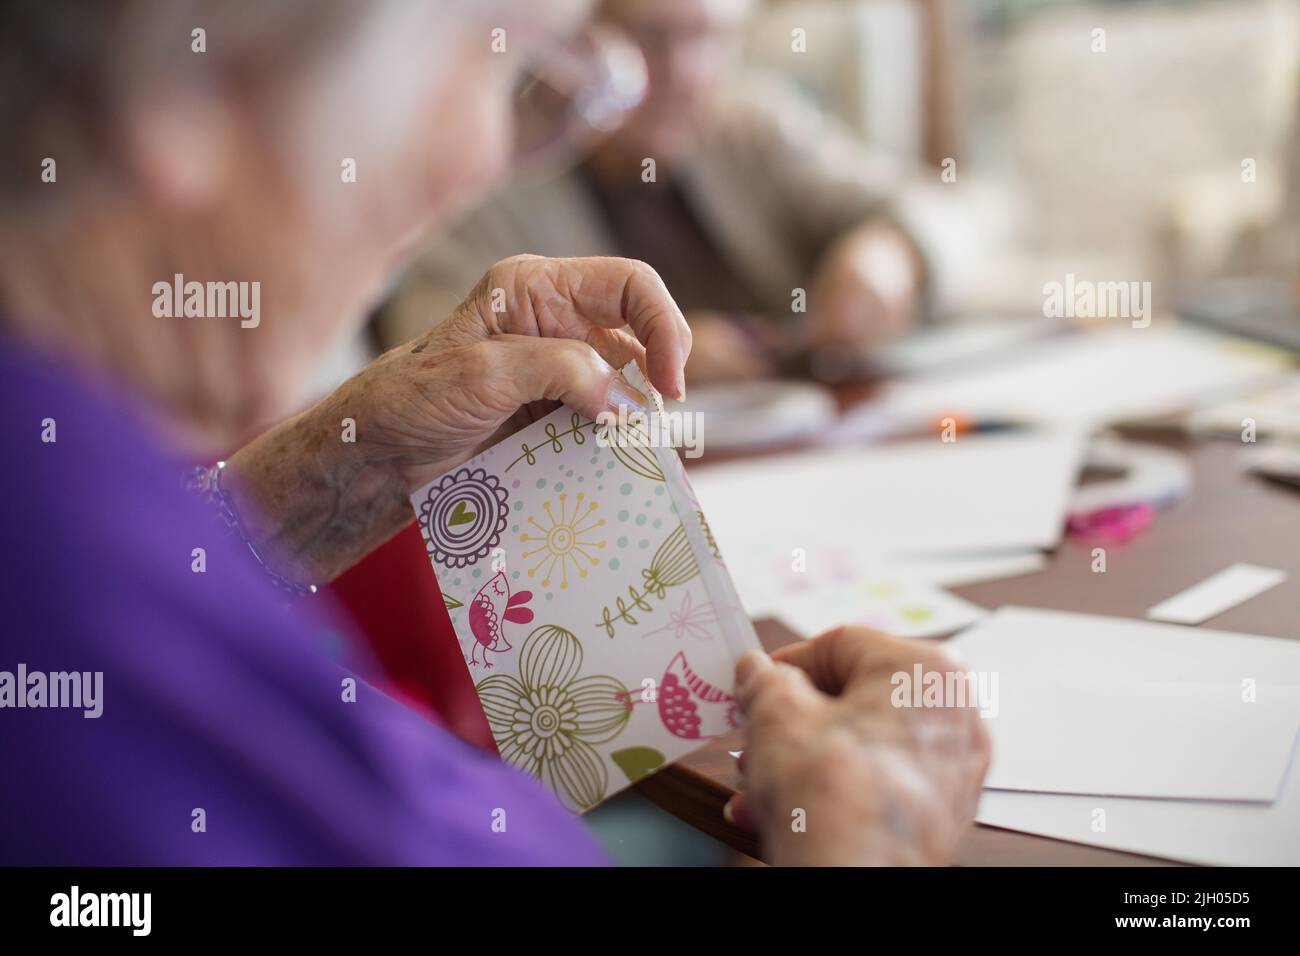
(317, 494)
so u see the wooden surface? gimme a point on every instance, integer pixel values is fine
(1226, 517)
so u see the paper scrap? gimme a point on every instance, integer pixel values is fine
(1217, 593)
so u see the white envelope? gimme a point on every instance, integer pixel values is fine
(1108, 706)
(1194, 831)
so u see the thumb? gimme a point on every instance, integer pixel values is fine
(564, 370)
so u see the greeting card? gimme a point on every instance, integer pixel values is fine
(592, 606)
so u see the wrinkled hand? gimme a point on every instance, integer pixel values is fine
(877, 784)
(866, 291)
(722, 352)
(533, 330)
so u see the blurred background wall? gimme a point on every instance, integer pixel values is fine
(1124, 162)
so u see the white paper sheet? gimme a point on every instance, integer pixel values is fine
(831, 585)
(1089, 379)
(1192, 831)
(895, 604)
(1275, 460)
(955, 572)
(979, 494)
(1274, 413)
(767, 574)
(1098, 705)
(1230, 587)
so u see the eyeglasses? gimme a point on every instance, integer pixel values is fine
(573, 92)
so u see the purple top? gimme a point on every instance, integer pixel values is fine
(214, 697)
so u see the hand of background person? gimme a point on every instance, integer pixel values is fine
(866, 291)
(721, 351)
(876, 784)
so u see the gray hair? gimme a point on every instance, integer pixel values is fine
(69, 68)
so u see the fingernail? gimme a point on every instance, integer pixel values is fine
(727, 813)
(622, 394)
(681, 387)
(749, 664)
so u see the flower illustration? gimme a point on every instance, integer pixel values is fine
(463, 515)
(555, 439)
(690, 619)
(564, 539)
(672, 564)
(631, 444)
(546, 720)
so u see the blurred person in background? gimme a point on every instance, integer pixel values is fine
(224, 735)
(732, 187)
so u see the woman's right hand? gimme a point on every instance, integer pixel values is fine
(835, 773)
(534, 332)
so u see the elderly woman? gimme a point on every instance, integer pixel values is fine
(295, 149)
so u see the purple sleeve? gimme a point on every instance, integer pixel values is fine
(214, 697)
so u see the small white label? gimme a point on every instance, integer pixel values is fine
(1217, 593)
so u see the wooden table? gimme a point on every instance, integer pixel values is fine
(1227, 516)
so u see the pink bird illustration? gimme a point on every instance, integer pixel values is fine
(689, 706)
(488, 612)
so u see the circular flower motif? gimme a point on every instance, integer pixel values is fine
(463, 516)
(546, 720)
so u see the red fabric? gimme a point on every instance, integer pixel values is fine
(395, 600)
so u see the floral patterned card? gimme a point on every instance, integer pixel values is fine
(591, 603)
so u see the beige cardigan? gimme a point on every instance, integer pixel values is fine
(773, 181)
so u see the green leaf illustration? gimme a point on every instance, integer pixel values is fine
(637, 762)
